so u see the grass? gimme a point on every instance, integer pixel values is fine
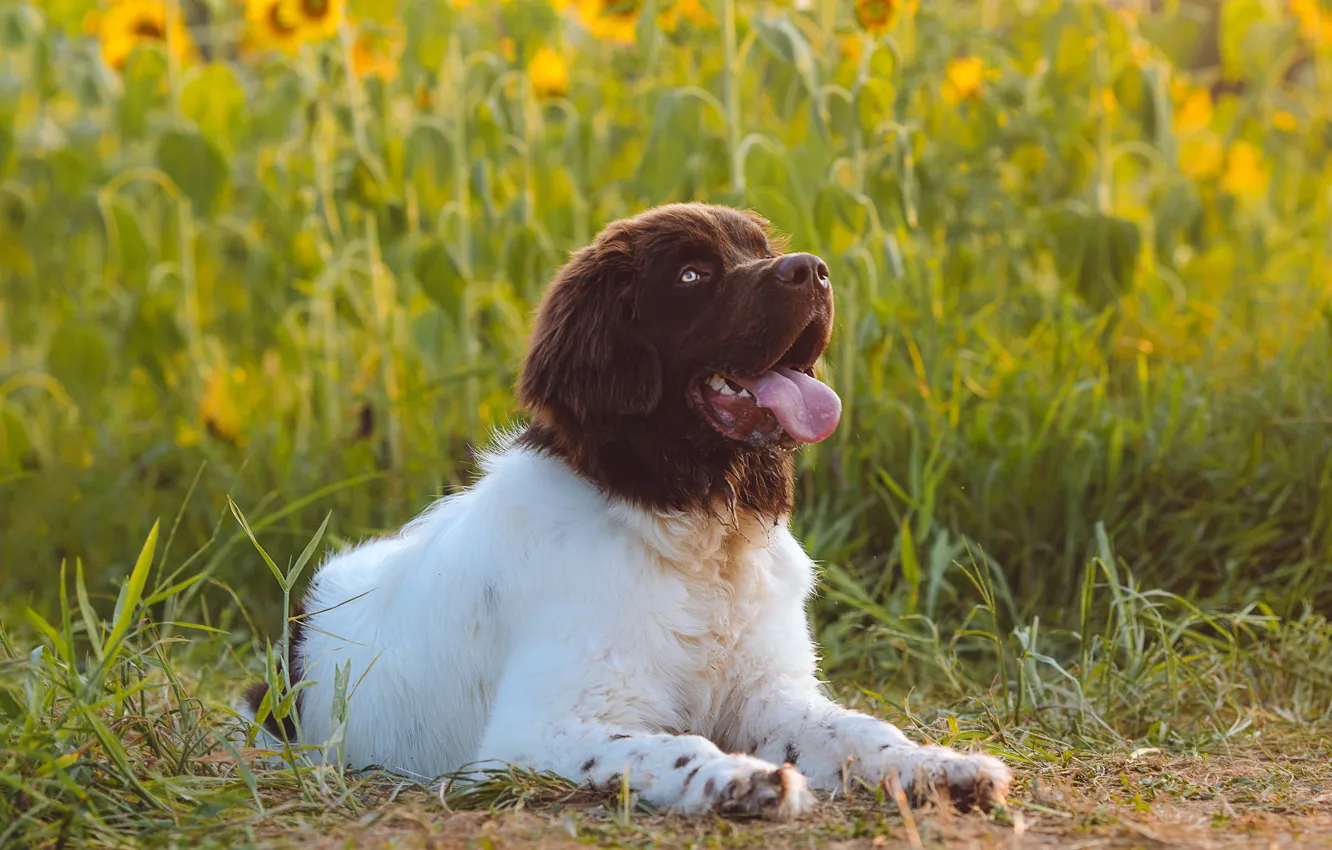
(1079, 511)
(1155, 720)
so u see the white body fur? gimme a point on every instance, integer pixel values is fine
(534, 621)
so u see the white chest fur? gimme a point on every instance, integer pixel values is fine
(483, 601)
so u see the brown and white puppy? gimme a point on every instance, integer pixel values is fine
(619, 593)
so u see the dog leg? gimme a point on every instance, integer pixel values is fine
(830, 744)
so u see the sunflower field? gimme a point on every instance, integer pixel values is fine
(286, 250)
(286, 247)
(276, 259)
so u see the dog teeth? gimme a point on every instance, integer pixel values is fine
(721, 386)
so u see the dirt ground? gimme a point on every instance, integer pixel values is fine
(1259, 799)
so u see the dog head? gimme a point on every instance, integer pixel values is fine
(673, 358)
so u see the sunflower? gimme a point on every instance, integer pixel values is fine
(1201, 159)
(275, 24)
(130, 23)
(692, 11)
(218, 409)
(876, 16)
(1196, 112)
(375, 51)
(549, 73)
(610, 20)
(963, 79)
(851, 47)
(1315, 22)
(1245, 174)
(319, 18)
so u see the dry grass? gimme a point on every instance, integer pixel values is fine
(1271, 793)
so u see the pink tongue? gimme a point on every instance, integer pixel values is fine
(807, 408)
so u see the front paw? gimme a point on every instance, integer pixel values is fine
(967, 780)
(742, 786)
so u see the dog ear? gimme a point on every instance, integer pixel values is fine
(585, 357)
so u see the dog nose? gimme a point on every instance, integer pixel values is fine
(801, 270)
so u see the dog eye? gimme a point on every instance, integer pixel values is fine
(691, 276)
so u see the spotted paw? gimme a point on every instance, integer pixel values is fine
(778, 794)
(967, 780)
(744, 786)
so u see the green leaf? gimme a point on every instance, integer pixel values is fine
(1179, 34)
(1097, 253)
(836, 207)
(38, 622)
(66, 621)
(240, 517)
(440, 276)
(295, 572)
(6, 146)
(79, 358)
(1178, 211)
(786, 42)
(674, 137)
(144, 86)
(131, 249)
(68, 15)
(265, 706)
(287, 704)
(14, 441)
(131, 592)
(910, 565)
(92, 624)
(523, 255)
(70, 171)
(20, 25)
(195, 165)
(174, 589)
(382, 11)
(874, 103)
(214, 100)
(1246, 40)
(429, 158)
(647, 31)
(341, 678)
(530, 24)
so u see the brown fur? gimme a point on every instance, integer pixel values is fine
(619, 343)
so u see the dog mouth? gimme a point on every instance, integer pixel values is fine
(784, 400)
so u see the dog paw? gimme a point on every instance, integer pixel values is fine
(967, 780)
(742, 786)
(779, 794)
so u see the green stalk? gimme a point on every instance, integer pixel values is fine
(731, 96)
(325, 149)
(384, 296)
(1104, 159)
(828, 28)
(190, 283)
(457, 77)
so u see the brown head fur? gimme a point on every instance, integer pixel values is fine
(624, 338)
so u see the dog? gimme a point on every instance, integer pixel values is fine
(619, 593)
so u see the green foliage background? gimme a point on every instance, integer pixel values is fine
(266, 277)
